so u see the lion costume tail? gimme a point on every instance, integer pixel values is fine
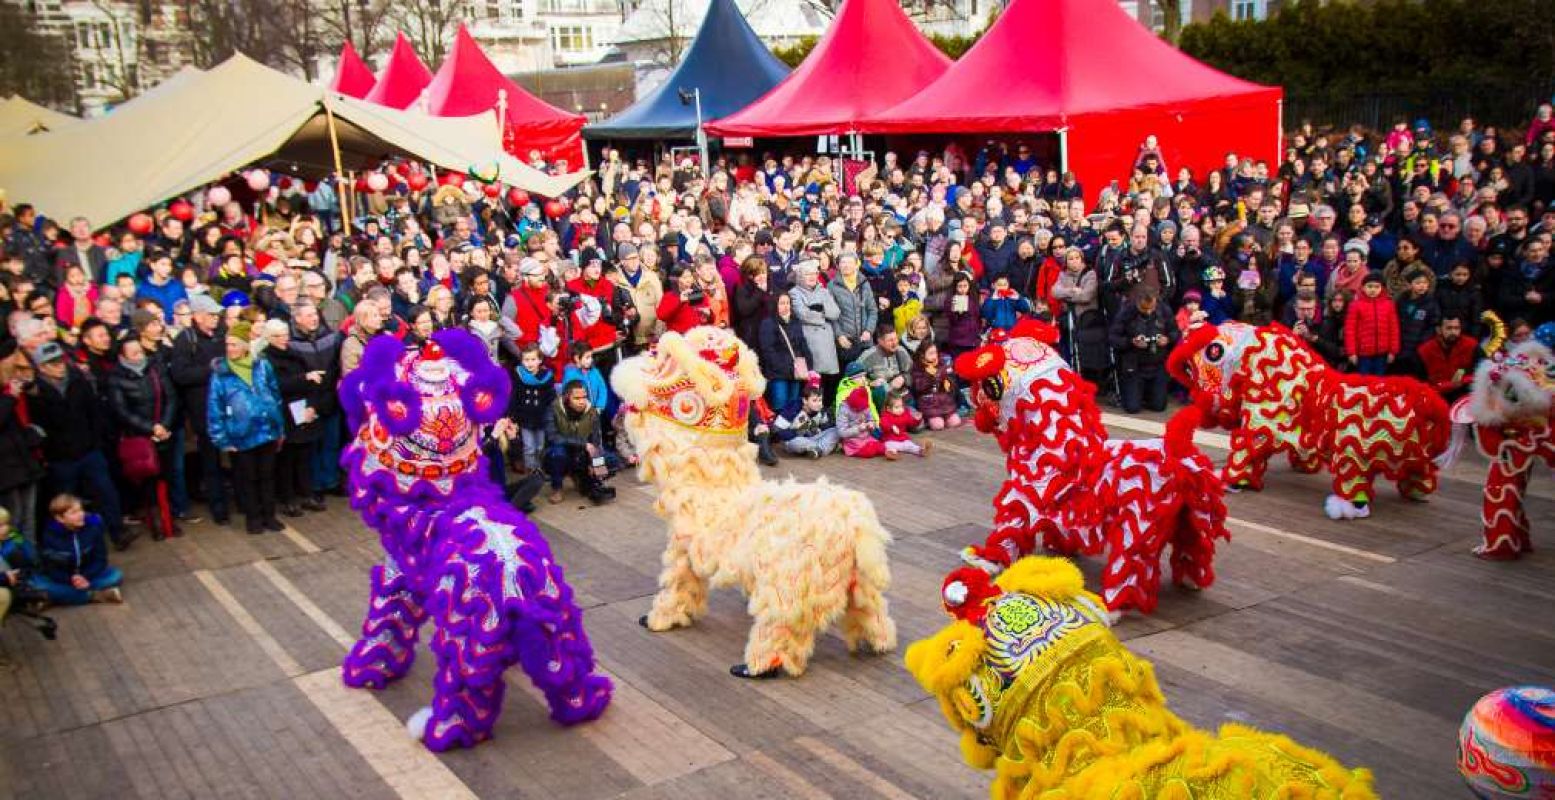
(1202, 514)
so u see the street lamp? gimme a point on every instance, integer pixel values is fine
(688, 97)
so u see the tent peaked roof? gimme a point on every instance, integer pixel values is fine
(352, 76)
(844, 79)
(468, 83)
(726, 62)
(1046, 61)
(18, 116)
(403, 77)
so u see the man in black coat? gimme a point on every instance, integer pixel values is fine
(195, 349)
(1142, 334)
(319, 347)
(66, 406)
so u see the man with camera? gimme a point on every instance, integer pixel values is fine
(687, 305)
(1142, 334)
(575, 446)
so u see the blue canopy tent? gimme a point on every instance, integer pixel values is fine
(726, 63)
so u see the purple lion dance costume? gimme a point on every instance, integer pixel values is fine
(455, 549)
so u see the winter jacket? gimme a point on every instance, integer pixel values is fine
(965, 329)
(165, 294)
(73, 422)
(1464, 302)
(751, 306)
(646, 291)
(857, 311)
(1217, 309)
(19, 463)
(935, 394)
(321, 350)
(593, 380)
(532, 398)
(1130, 323)
(997, 259)
(779, 343)
(817, 309)
(880, 366)
(1076, 291)
(291, 376)
(1002, 312)
(190, 367)
(1371, 327)
(1448, 369)
(240, 415)
(1330, 339)
(142, 400)
(895, 427)
(564, 428)
(680, 316)
(1417, 320)
(66, 553)
(795, 421)
(1516, 281)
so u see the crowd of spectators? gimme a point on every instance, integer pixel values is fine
(196, 358)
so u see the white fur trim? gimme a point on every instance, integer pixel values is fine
(955, 594)
(416, 726)
(1334, 506)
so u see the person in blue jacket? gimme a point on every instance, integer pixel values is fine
(161, 285)
(243, 411)
(74, 555)
(1004, 306)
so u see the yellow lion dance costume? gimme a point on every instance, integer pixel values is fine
(1044, 694)
(806, 555)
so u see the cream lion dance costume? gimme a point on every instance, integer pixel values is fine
(1276, 395)
(1073, 491)
(806, 555)
(455, 550)
(1032, 678)
(1511, 411)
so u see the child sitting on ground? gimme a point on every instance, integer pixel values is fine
(856, 425)
(895, 421)
(74, 551)
(808, 428)
(934, 388)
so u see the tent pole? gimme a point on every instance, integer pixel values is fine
(340, 181)
(1063, 149)
(1279, 126)
(502, 118)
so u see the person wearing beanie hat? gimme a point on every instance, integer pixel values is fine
(245, 420)
(1371, 330)
(857, 426)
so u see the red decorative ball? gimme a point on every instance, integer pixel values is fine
(141, 224)
(556, 209)
(517, 197)
(492, 190)
(181, 210)
(377, 181)
(451, 179)
(417, 181)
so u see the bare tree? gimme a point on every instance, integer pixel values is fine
(672, 26)
(35, 63)
(430, 24)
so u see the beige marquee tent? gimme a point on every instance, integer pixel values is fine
(233, 115)
(20, 117)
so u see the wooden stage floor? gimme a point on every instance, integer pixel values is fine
(218, 677)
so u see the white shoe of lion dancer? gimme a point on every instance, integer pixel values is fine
(1338, 508)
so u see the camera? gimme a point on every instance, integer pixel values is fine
(696, 295)
(566, 302)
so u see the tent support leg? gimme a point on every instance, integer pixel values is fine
(340, 180)
(1063, 150)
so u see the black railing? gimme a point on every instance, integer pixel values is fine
(1504, 105)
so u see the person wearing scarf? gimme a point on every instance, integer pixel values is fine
(244, 414)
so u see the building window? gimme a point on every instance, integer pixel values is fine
(1245, 9)
(1157, 17)
(493, 9)
(572, 38)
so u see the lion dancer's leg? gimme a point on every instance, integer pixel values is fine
(467, 692)
(867, 623)
(1132, 578)
(556, 653)
(1250, 451)
(1505, 521)
(388, 645)
(1352, 486)
(1195, 528)
(1419, 483)
(682, 596)
(1306, 462)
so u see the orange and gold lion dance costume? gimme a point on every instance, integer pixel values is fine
(1074, 491)
(1276, 395)
(806, 555)
(1042, 692)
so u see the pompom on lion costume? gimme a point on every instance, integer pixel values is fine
(1276, 395)
(806, 555)
(1042, 692)
(1511, 411)
(455, 550)
(1073, 491)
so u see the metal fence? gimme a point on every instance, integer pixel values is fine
(1505, 105)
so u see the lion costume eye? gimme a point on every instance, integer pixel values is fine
(688, 407)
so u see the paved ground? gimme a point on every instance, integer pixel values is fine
(218, 677)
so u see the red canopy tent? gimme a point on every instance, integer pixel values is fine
(468, 83)
(1088, 71)
(402, 79)
(352, 77)
(846, 78)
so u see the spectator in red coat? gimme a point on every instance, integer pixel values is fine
(1371, 333)
(686, 306)
(1448, 358)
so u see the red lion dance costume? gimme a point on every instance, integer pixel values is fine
(1276, 395)
(1513, 420)
(1075, 491)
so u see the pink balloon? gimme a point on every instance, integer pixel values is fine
(258, 180)
(218, 196)
(377, 181)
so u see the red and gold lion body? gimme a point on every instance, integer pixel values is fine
(1074, 491)
(1276, 395)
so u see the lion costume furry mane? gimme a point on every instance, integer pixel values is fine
(807, 555)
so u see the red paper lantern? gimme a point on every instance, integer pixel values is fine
(361, 186)
(492, 190)
(141, 224)
(556, 209)
(518, 198)
(285, 183)
(416, 181)
(451, 179)
(258, 180)
(218, 196)
(181, 210)
(309, 187)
